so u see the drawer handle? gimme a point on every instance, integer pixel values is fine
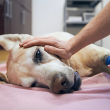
(23, 17)
(10, 9)
(6, 8)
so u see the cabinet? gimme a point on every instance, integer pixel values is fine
(15, 16)
(77, 13)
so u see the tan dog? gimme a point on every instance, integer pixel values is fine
(35, 67)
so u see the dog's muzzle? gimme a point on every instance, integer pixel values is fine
(60, 84)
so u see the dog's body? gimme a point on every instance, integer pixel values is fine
(35, 66)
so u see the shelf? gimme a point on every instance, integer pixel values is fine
(83, 0)
(72, 11)
(82, 3)
(81, 22)
(81, 9)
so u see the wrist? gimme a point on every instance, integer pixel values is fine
(71, 46)
(75, 44)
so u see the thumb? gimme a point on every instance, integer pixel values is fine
(52, 50)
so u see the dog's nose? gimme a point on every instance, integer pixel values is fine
(60, 84)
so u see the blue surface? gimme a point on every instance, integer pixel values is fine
(108, 61)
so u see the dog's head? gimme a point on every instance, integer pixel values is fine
(35, 67)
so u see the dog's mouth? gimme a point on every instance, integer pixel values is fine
(75, 87)
(77, 82)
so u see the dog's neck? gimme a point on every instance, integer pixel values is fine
(67, 62)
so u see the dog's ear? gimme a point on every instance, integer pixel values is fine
(3, 78)
(8, 41)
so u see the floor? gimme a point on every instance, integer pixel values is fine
(3, 56)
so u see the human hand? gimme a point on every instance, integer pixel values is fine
(108, 66)
(51, 45)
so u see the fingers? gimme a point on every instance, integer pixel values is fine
(51, 49)
(40, 42)
(32, 40)
(26, 41)
(56, 51)
(34, 43)
(108, 66)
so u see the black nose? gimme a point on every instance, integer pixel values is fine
(61, 84)
(77, 82)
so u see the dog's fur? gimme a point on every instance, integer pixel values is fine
(23, 68)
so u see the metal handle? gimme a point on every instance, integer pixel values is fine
(6, 10)
(10, 9)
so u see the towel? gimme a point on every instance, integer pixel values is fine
(93, 95)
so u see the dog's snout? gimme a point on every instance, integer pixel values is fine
(60, 84)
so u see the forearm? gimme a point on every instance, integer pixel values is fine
(95, 30)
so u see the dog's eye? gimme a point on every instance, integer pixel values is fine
(38, 56)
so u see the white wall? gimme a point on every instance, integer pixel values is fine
(106, 41)
(47, 16)
(105, 2)
(98, 8)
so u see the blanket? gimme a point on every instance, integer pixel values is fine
(93, 95)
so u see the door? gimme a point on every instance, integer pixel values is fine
(15, 23)
(26, 22)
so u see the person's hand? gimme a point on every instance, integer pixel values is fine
(108, 66)
(51, 45)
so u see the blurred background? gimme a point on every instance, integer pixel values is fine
(37, 17)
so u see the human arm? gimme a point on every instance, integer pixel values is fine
(98, 28)
(95, 30)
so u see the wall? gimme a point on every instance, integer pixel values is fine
(105, 2)
(47, 16)
(98, 8)
(106, 41)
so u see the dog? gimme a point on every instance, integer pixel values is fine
(34, 67)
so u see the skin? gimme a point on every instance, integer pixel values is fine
(99, 26)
